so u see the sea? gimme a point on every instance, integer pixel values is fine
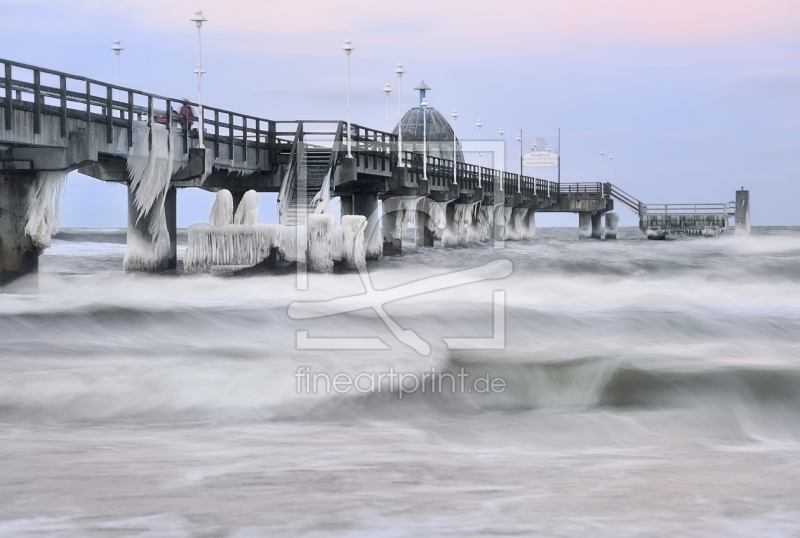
(563, 387)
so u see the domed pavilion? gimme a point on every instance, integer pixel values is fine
(439, 132)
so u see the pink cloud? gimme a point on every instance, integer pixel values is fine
(475, 26)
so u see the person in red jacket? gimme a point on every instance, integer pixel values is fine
(185, 111)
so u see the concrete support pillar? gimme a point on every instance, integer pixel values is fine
(584, 224)
(612, 222)
(18, 255)
(391, 244)
(597, 225)
(742, 213)
(171, 214)
(143, 251)
(345, 205)
(424, 236)
(366, 204)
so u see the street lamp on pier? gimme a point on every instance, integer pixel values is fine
(480, 154)
(199, 20)
(424, 106)
(519, 177)
(117, 48)
(399, 70)
(455, 163)
(610, 168)
(348, 48)
(602, 164)
(387, 90)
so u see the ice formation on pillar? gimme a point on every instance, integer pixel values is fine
(584, 225)
(320, 239)
(480, 223)
(247, 212)
(456, 215)
(528, 224)
(222, 210)
(230, 245)
(612, 221)
(373, 238)
(149, 163)
(44, 203)
(520, 224)
(404, 210)
(513, 224)
(353, 254)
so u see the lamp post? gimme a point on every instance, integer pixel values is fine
(480, 155)
(548, 166)
(503, 163)
(455, 163)
(387, 90)
(519, 177)
(424, 106)
(199, 20)
(610, 168)
(602, 164)
(399, 70)
(117, 48)
(348, 48)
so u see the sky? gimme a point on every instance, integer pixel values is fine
(694, 99)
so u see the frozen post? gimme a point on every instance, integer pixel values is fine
(742, 213)
(612, 221)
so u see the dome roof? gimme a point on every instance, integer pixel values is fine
(440, 134)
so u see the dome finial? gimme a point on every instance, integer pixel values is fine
(422, 87)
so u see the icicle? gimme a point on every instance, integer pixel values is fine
(44, 207)
(284, 197)
(337, 243)
(231, 244)
(454, 227)
(320, 234)
(247, 212)
(322, 199)
(353, 252)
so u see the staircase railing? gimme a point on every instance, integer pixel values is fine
(289, 179)
(629, 201)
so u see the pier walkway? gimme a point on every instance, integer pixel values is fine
(53, 122)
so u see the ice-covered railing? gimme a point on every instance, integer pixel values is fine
(726, 209)
(51, 92)
(470, 176)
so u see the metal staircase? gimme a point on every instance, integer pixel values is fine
(309, 177)
(313, 166)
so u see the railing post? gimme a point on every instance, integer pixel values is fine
(63, 104)
(130, 119)
(230, 133)
(258, 141)
(186, 127)
(244, 137)
(37, 102)
(9, 103)
(88, 104)
(109, 115)
(271, 143)
(168, 104)
(216, 134)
